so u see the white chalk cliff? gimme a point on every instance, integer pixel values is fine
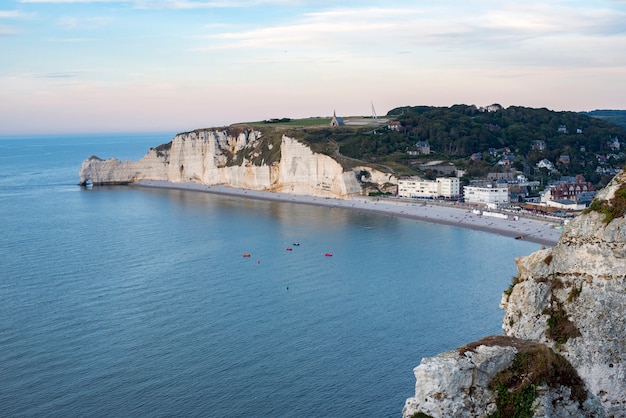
(242, 158)
(570, 300)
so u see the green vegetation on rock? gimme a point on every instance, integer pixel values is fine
(420, 415)
(161, 149)
(560, 328)
(534, 365)
(611, 209)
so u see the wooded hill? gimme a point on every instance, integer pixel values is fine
(462, 130)
(456, 133)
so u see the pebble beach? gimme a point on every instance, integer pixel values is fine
(542, 231)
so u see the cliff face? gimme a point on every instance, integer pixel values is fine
(500, 377)
(570, 299)
(573, 298)
(244, 159)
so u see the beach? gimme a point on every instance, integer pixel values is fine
(545, 232)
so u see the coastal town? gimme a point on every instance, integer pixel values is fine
(563, 198)
(549, 168)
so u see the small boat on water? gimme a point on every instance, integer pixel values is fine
(288, 249)
(328, 255)
(295, 244)
(246, 255)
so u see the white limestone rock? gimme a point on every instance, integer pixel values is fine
(303, 172)
(584, 279)
(570, 298)
(241, 159)
(455, 385)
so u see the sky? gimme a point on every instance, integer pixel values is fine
(87, 66)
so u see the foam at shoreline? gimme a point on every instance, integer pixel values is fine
(541, 232)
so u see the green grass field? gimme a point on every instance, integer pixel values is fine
(293, 123)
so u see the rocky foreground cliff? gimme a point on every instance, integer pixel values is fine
(241, 158)
(564, 349)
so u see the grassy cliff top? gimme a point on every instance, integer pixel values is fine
(288, 123)
(476, 140)
(317, 133)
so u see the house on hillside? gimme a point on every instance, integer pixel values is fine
(614, 144)
(546, 164)
(491, 108)
(539, 145)
(564, 159)
(477, 156)
(506, 160)
(394, 125)
(423, 147)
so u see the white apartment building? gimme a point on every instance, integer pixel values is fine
(415, 187)
(449, 187)
(493, 195)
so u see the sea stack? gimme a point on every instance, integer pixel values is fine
(563, 350)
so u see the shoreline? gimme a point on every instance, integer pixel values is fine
(533, 230)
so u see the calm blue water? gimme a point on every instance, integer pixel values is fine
(137, 302)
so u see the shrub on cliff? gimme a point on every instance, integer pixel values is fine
(534, 365)
(611, 209)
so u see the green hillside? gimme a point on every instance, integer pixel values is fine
(616, 117)
(476, 140)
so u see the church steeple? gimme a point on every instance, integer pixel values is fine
(335, 121)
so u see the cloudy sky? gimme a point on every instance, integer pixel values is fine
(177, 65)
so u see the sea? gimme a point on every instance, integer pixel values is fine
(137, 302)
